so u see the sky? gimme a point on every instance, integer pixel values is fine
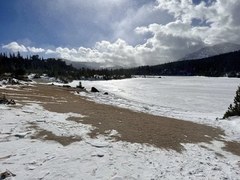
(120, 33)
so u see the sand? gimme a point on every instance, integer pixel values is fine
(134, 127)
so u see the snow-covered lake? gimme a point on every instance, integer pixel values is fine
(171, 96)
(198, 99)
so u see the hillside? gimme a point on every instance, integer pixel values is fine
(221, 65)
(17, 66)
(214, 50)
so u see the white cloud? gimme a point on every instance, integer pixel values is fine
(165, 40)
(221, 17)
(15, 47)
(35, 50)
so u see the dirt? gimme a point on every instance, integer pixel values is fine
(134, 127)
(233, 147)
(49, 136)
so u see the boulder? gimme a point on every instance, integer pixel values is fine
(93, 89)
(80, 86)
(106, 93)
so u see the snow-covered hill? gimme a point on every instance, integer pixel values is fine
(212, 51)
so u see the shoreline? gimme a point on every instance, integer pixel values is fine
(50, 128)
(133, 127)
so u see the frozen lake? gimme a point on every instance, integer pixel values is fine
(194, 98)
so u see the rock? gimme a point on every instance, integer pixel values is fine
(100, 155)
(106, 93)
(31, 168)
(66, 86)
(6, 174)
(93, 89)
(11, 102)
(3, 100)
(21, 135)
(80, 86)
(13, 81)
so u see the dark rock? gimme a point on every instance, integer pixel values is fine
(66, 86)
(100, 155)
(11, 102)
(93, 89)
(6, 174)
(106, 93)
(20, 135)
(64, 81)
(3, 100)
(80, 86)
(36, 76)
(12, 81)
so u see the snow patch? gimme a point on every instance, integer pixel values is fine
(100, 158)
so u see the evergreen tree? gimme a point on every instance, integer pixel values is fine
(234, 110)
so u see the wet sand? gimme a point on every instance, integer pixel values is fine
(134, 127)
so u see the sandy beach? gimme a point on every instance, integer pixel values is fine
(55, 133)
(134, 127)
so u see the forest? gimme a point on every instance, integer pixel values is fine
(19, 66)
(221, 65)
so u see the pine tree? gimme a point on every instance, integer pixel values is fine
(234, 110)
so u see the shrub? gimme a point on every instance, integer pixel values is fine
(234, 110)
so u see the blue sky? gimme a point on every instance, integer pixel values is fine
(50, 23)
(116, 32)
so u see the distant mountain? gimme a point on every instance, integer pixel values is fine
(227, 64)
(212, 51)
(80, 65)
(90, 65)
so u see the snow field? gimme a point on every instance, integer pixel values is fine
(202, 100)
(100, 158)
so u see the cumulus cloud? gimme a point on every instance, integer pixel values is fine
(35, 50)
(221, 18)
(163, 40)
(15, 47)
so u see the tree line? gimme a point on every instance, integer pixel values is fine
(17, 65)
(221, 65)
